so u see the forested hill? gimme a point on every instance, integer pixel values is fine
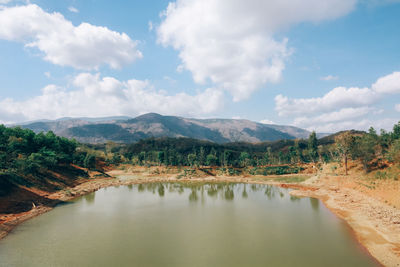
(44, 161)
(124, 130)
(372, 150)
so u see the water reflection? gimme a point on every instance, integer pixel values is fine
(244, 193)
(160, 190)
(141, 188)
(232, 227)
(229, 195)
(294, 198)
(212, 191)
(193, 197)
(90, 198)
(199, 191)
(269, 191)
(314, 204)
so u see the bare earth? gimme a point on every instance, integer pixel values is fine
(372, 212)
(376, 224)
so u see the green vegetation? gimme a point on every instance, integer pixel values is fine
(291, 179)
(27, 158)
(25, 154)
(372, 150)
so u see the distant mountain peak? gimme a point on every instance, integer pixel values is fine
(127, 130)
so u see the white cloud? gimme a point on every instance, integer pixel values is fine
(360, 124)
(329, 78)
(339, 97)
(267, 122)
(73, 9)
(397, 107)
(94, 96)
(341, 108)
(231, 42)
(335, 116)
(83, 47)
(389, 84)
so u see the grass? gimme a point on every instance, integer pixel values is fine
(291, 179)
(285, 179)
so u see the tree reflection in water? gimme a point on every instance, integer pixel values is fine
(161, 191)
(314, 204)
(244, 193)
(90, 198)
(226, 191)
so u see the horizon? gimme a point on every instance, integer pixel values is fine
(123, 117)
(329, 68)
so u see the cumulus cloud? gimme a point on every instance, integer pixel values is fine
(389, 84)
(335, 116)
(341, 108)
(337, 98)
(231, 42)
(95, 96)
(83, 47)
(397, 107)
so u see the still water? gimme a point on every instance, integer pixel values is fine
(185, 225)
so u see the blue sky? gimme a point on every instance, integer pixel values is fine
(325, 66)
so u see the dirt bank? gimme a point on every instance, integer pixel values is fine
(375, 223)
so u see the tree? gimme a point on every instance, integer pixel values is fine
(396, 131)
(345, 144)
(202, 156)
(211, 160)
(160, 157)
(90, 161)
(191, 158)
(228, 157)
(313, 146)
(142, 157)
(365, 148)
(268, 157)
(244, 159)
(394, 152)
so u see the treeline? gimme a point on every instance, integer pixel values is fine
(369, 147)
(24, 152)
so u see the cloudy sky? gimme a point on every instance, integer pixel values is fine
(321, 65)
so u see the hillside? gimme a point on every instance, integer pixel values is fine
(124, 130)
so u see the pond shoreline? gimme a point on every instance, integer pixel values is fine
(376, 225)
(384, 248)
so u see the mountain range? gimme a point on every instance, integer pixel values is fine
(128, 130)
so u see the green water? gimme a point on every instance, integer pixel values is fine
(182, 225)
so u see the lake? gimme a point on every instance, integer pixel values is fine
(176, 224)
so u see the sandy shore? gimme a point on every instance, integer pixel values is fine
(375, 223)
